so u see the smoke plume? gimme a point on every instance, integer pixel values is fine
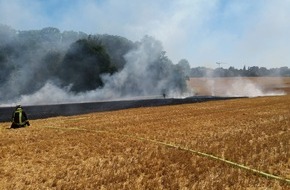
(50, 67)
(240, 86)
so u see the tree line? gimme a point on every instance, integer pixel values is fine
(245, 72)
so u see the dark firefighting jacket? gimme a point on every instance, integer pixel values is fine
(19, 117)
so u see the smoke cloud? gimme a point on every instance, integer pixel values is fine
(50, 67)
(241, 86)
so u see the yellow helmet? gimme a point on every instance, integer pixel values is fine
(18, 106)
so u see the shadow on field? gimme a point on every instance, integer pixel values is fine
(45, 111)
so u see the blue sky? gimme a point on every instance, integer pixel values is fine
(236, 32)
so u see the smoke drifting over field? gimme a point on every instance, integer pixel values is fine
(49, 67)
(135, 79)
(52, 67)
(243, 86)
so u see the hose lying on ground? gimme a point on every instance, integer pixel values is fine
(264, 174)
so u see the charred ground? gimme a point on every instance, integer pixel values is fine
(45, 111)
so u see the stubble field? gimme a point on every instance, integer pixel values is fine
(116, 150)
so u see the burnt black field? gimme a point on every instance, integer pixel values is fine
(46, 111)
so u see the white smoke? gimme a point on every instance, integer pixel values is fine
(239, 87)
(143, 76)
(245, 87)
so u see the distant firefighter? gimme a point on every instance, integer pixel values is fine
(19, 118)
(164, 93)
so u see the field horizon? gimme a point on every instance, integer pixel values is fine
(109, 150)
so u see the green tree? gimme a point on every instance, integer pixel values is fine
(83, 65)
(184, 66)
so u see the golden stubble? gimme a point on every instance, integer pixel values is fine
(254, 132)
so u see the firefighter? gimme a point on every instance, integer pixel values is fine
(164, 93)
(19, 118)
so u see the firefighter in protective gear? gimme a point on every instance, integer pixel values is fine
(19, 118)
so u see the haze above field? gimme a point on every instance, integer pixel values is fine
(251, 33)
(44, 59)
(50, 67)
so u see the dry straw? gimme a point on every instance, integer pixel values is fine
(261, 173)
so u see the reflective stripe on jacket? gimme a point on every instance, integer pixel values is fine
(19, 118)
